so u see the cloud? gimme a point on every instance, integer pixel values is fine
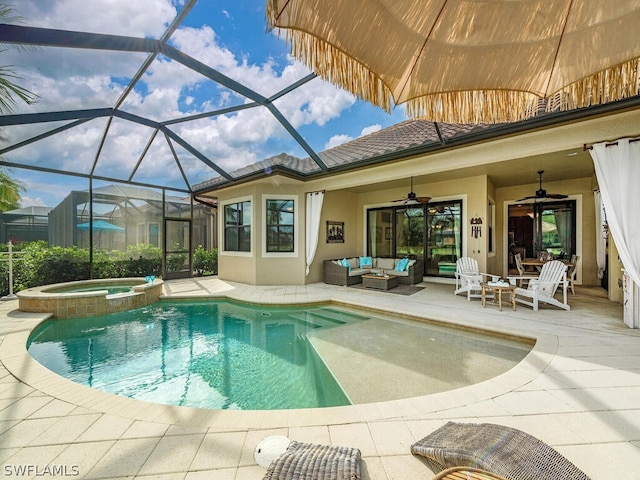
(370, 129)
(67, 79)
(26, 201)
(137, 18)
(338, 140)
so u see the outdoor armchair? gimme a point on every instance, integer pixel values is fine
(468, 278)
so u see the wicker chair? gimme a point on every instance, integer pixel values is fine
(466, 473)
(503, 451)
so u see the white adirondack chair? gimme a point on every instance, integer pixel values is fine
(469, 277)
(543, 288)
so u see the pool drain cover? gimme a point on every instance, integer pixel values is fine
(269, 449)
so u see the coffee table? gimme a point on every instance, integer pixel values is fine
(380, 282)
(497, 294)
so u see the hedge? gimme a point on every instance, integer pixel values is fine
(36, 263)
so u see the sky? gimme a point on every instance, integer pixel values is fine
(227, 35)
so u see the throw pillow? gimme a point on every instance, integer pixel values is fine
(366, 262)
(402, 265)
(345, 263)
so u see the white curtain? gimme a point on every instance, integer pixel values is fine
(618, 172)
(564, 223)
(601, 235)
(314, 209)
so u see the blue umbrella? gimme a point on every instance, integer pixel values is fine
(101, 226)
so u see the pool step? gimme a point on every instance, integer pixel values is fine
(327, 318)
(344, 316)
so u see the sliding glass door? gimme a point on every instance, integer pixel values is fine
(444, 242)
(409, 228)
(430, 232)
(542, 226)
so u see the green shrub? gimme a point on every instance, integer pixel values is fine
(205, 262)
(38, 264)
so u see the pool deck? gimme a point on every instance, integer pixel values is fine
(578, 390)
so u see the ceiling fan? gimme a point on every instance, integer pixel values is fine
(412, 198)
(541, 193)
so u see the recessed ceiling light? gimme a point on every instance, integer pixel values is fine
(572, 154)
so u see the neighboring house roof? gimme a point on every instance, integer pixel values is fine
(32, 211)
(138, 193)
(398, 138)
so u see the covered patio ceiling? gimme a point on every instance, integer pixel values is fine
(562, 164)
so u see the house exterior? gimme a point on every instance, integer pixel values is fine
(26, 224)
(476, 175)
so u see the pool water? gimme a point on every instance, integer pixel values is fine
(111, 289)
(210, 354)
(228, 355)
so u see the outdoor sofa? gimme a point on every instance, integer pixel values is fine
(336, 272)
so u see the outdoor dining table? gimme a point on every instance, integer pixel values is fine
(537, 263)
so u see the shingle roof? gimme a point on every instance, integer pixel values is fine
(397, 138)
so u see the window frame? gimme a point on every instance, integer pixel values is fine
(223, 226)
(265, 226)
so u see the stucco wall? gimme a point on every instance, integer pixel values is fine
(259, 267)
(338, 206)
(350, 208)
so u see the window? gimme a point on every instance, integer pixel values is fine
(154, 235)
(237, 227)
(148, 233)
(280, 226)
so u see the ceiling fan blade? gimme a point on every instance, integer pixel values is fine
(412, 198)
(541, 193)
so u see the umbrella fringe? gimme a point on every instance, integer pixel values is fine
(475, 107)
(615, 83)
(331, 63)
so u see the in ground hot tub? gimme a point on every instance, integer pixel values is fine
(90, 297)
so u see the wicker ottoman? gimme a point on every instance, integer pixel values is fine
(306, 461)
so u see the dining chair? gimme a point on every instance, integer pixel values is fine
(522, 273)
(572, 272)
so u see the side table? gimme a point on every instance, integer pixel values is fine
(497, 294)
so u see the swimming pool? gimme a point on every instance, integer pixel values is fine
(226, 355)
